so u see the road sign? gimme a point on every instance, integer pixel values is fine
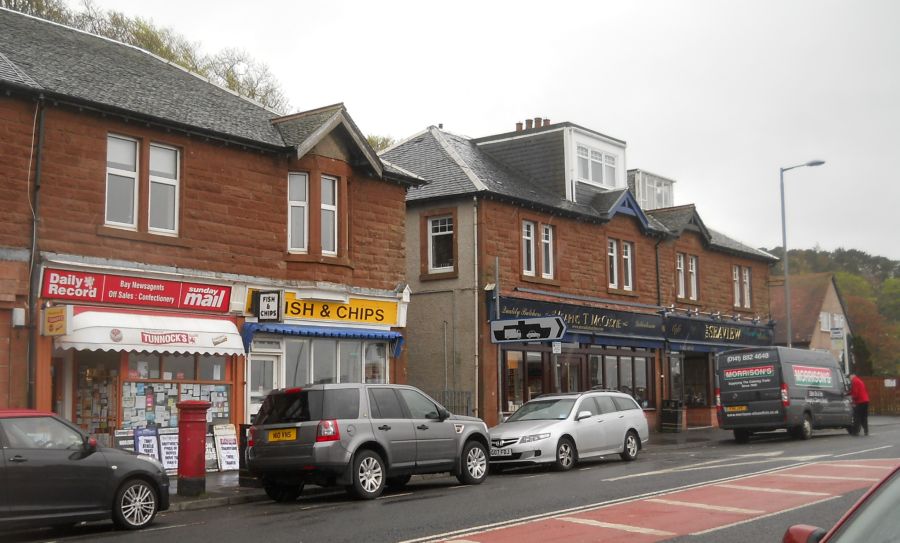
(533, 329)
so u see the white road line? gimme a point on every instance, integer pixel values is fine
(584, 469)
(395, 495)
(158, 528)
(754, 519)
(832, 477)
(459, 541)
(621, 527)
(774, 490)
(708, 465)
(863, 451)
(707, 507)
(865, 466)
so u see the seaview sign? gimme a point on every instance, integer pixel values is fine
(134, 291)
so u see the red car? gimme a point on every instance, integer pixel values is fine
(873, 519)
(52, 474)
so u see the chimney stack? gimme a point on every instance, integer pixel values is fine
(546, 122)
(538, 122)
(528, 124)
(519, 127)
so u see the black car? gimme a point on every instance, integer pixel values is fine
(52, 474)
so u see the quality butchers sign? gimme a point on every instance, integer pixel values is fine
(133, 291)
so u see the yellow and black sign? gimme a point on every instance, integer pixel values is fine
(356, 310)
(56, 320)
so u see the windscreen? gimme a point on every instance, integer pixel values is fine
(544, 410)
(748, 371)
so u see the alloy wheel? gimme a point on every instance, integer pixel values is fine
(476, 462)
(370, 474)
(138, 504)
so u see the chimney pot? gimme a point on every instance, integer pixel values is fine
(546, 122)
(518, 127)
(538, 122)
(528, 124)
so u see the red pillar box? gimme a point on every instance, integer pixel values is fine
(192, 447)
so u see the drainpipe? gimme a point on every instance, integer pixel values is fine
(34, 260)
(477, 344)
(658, 287)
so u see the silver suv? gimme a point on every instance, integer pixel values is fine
(361, 436)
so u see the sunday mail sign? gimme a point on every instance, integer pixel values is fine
(133, 291)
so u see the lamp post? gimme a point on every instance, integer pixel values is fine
(787, 284)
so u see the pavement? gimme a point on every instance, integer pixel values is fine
(234, 487)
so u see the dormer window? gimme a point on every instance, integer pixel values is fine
(596, 167)
(653, 192)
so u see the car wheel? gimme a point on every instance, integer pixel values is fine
(805, 430)
(368, 475)
(566, 455)
(474, 467)
(398, 482)
(632, 446)
(283, 493)
(136, 505)
(741, 436)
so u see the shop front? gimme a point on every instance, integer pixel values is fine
(122, 350)
(602, 348)
(296, 338)
(692, 342)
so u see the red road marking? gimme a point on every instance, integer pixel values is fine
(663, 517)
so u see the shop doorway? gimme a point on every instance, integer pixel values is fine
(569, 373)
(264, 377)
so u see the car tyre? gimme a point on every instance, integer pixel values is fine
(135, 505)
(742, 436)
(474, 468)
(368, 475)
(805, 430)
(566, 455)
(631, 447)
(283, 493)
(398, 482)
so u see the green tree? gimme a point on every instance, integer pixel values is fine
(854, 285)
(379, 143)
(889, 299)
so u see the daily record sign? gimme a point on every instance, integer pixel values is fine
(534, 329)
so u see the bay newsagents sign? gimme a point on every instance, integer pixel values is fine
(133, 291)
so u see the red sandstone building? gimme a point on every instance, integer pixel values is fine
(166, 239)
(541, 222)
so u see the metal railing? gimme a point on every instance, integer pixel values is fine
(459, 402)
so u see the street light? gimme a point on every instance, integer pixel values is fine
(787, 284)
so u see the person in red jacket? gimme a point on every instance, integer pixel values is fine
(860, 397)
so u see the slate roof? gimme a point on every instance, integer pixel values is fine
(725, 243)
(808, 293)
(68, 64)
(456, 166)
(75, 64)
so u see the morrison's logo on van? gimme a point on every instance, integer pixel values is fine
(749, 373)
(806, 376)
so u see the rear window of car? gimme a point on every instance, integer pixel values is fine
(624, 404)
(309, 405)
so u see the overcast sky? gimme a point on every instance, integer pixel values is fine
(717, 95)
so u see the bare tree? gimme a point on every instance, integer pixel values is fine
(379, 143)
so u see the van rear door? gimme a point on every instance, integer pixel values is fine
(749, 389)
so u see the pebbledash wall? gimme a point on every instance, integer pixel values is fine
(170, 315)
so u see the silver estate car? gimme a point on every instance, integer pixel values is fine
(560, 429)
(360, 436)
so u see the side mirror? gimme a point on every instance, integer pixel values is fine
(443, 413)
(90, 444)
(583, 415)
(803, 533)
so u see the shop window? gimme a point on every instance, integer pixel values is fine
(515, 381)
(351, 361)
(296, 362)
(676, 377)
(178, 366)
(611, 372)
(262, 376)
(376, 362)
(324, 353)
(212, 368)
(626, 374)
(144, 366)
(535, 365)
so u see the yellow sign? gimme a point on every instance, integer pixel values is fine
(55, 322)
(356, 310)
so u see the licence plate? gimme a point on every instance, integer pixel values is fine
(287, 434)
(735, 408)
(501, 452)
